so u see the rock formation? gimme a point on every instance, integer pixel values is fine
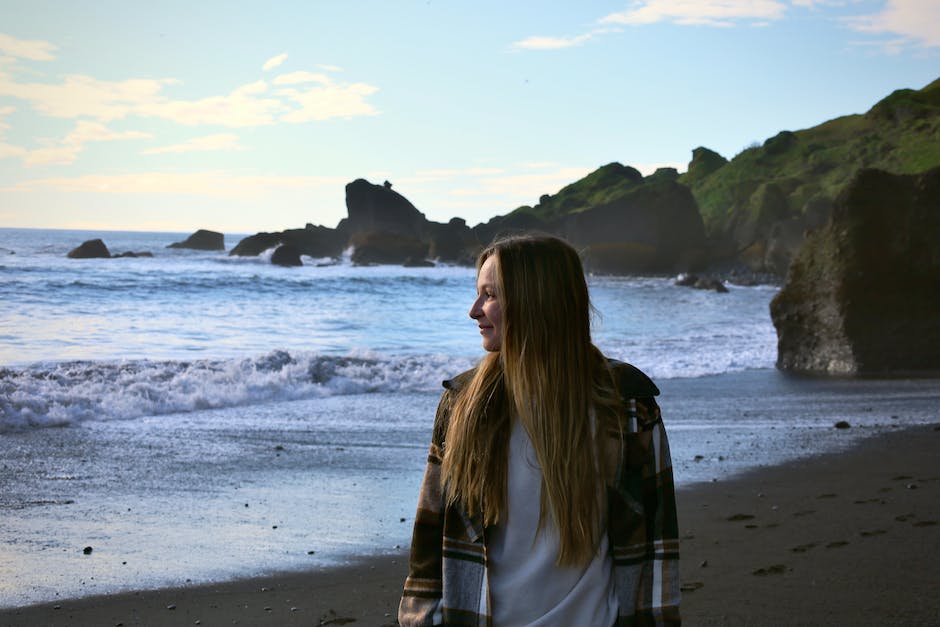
(622, 222)
(91, 249)
(863, 294)
(202, 240)
(313, 241)
(286, 255)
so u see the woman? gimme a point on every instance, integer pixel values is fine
(548, 497)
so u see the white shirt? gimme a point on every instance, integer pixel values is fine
(527, 588)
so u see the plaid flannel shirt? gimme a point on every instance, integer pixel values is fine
(447, 582)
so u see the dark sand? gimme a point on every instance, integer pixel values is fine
(843, 539)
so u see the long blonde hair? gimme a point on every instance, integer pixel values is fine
(549, 374)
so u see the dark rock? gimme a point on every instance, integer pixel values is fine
(453, 242)
(861, 297)
(202, 240)
(87, 550)
(286, 255)
(313, 241)
(648, 227)
(620, 258)
(509, 224)
(686, 280)
(92, 249)
(383, 247)
(842, 424)
(254, 245)
(377, 208)
(700, 283)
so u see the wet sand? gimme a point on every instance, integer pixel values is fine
(849, 538)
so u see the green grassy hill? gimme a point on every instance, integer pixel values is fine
(796, 175)
(757, 207)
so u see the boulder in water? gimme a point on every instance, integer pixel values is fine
(91, 249)
(202, 240)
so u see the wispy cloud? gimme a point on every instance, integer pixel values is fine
(32, 49)
(328, 100)
(66, 150)
(697, 12)
(296, 78)
(909, 22)
(210, 184)
(82, 96)
(249, 105)
(683, 12)
(217, 142)
(8, 150)
(557, 43)
(273, 62)
(245, 106)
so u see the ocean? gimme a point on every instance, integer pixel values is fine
(193, 417)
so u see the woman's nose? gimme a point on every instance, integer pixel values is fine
(475, 309)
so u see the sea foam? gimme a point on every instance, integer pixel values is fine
(60, 394)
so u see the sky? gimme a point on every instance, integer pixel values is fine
(241, 117)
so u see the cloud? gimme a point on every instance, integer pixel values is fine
(80, 96)
(242, 107)
(329, 100)
(210, 184)
(66, 150)
(273, 62)
(556, 43)
(32, 49)
(296, 78)
(220, 141)
(917, 22)
(8, 151)
(83, 96)
(697, 12)
(683, 12)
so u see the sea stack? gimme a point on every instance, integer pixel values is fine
(862, 295)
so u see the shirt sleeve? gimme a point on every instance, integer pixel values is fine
(421, 601)
(643, 524)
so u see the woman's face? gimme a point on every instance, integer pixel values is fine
(486, 309)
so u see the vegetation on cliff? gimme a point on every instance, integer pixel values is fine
(795, 176)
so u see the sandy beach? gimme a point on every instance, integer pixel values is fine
(847, 538)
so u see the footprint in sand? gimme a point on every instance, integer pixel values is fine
(803, 548)
(691, 586)
(738, 517)
(925, 523)
(873, 532)
(805, 512)
(836, 544)
(776, 569)
(904, 517)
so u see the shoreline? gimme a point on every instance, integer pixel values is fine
(847, 537)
